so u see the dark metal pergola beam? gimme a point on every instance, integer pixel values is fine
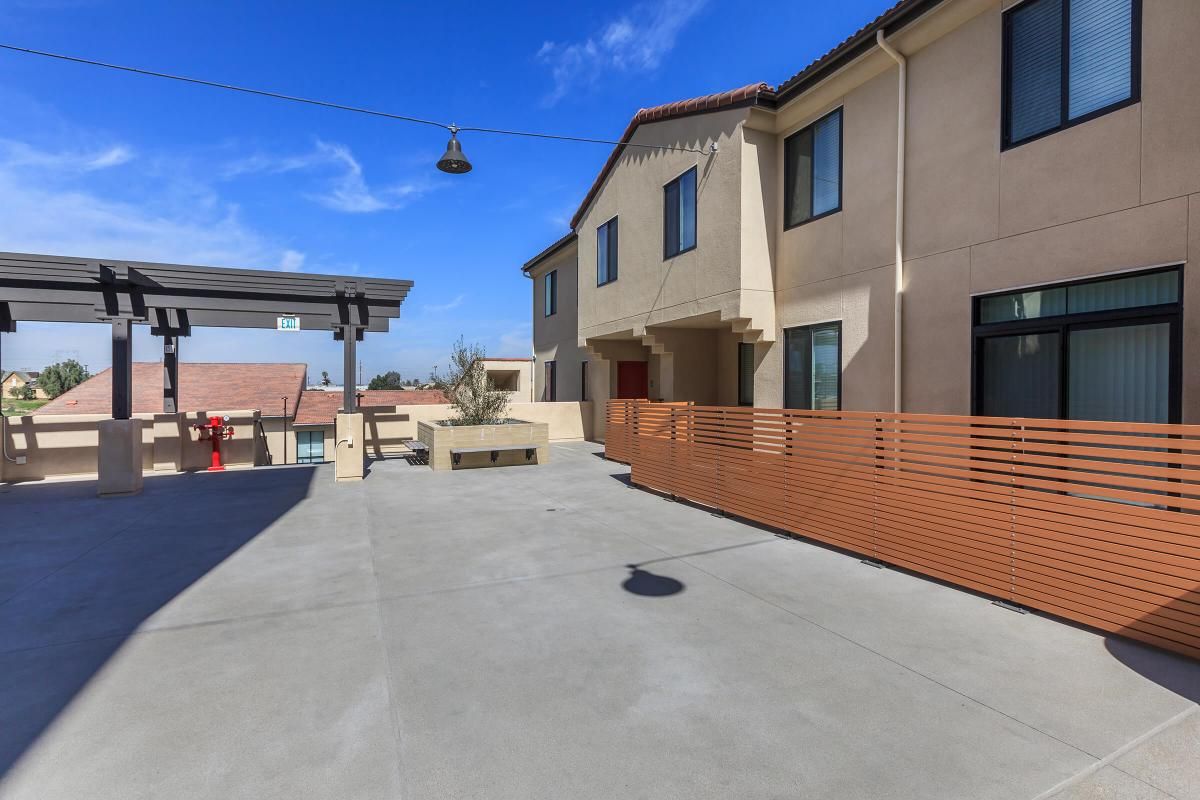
(174, 298)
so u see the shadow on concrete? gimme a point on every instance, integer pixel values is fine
(86, 572)
(647, 584)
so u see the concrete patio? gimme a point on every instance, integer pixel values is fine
(478, 634)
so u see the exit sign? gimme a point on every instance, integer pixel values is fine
(287, 323)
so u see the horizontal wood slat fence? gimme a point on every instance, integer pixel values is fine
(1097, 522)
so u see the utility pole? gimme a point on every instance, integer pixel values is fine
(360, 374)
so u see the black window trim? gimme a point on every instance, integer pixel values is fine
(551, 308)
(1065, 122)
(667, 254)
(1063, 324)
(604, 226)
(836, 322)
(741, 348)
(550, 390)
(841, 169)
(583, 382)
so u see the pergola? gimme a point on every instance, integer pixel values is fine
(174, 298)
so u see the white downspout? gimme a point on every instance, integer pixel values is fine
(901, 113)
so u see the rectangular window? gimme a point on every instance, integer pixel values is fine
(679, 214)
(813, 170)
(1105, 349)
(551, 391)
(606, 252)
(551, 293)
(812, 370)
(1068, 61)
(583, 381)
(310, 447)
(745, 374)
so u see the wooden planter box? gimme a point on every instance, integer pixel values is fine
(441, 439)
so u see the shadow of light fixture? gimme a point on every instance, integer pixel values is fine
(647, 584)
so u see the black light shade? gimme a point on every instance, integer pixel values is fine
(453, 161)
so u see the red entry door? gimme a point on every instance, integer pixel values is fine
(633, 380)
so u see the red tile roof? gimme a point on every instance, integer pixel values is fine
(202, 387)
(681, 108)
(319, 408)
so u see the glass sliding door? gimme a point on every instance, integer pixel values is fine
(1106, 349)
(813, 367)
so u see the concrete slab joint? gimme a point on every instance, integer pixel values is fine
(119, 460)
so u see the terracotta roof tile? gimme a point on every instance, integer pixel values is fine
(202, 387)
(319, 408)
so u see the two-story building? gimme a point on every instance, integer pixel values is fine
(749, 248)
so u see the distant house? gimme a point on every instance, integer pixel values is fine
(314, 421)
(18, 379)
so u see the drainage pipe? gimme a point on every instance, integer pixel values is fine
(901, 114)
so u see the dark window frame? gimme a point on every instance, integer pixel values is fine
(614, 262)
(309, 434)
(786, 382)
(550, 290)
(551, 389)
(788, 179)
(1065, 122)
(1063, 324)
(583, 381)
(667, 253)
(748, 347)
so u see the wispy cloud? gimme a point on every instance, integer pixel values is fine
(20, 155)
(440, 308)
(345, 190)
(635, 42)
(49, 207)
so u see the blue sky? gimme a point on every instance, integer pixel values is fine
(107, 164)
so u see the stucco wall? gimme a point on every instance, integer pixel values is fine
(556, 338)
(649, 286)
(60, 445)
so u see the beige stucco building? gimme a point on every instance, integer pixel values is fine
(1046, 146)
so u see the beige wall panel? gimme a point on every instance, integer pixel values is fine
(812, 252)
(1080, 172)
(869, 174)
(867, 331)
(556, 338)
(1191, 320)
(1170, 102)
(759, 184)
(635, 189)
(768, 374)
(953, 147)
(1144, 236)
(937, 334)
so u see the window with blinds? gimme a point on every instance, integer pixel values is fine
(1067, 61)
(813, 170)
(679, 214)
(812, 370)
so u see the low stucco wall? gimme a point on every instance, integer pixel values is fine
(62, 445)
(441, 439)
(387, 429)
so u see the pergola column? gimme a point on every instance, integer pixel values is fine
(122, 369)
(349, 400)
(170, 374)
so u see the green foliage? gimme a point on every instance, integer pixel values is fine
(25, 392)
(388, 380)
(474, 400)
(325, 381)
(58, 378)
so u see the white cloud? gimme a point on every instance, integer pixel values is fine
(635, 42)
(347, 190)
(455, 303)
(20, 155)
(291, 261)
(50, 209)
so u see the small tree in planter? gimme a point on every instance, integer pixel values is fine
(467, 386)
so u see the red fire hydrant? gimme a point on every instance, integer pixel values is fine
(217, 428)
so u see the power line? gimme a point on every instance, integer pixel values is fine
(336, 106)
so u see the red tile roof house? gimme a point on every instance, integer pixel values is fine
(296, 425)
